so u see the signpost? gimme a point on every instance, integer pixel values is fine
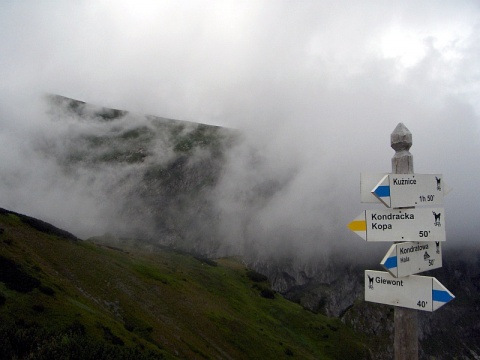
(403, 190)
(422, 229)
(414, 292)
(423, 224)
(369, 182)
(409, 258)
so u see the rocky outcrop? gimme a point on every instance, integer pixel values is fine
(337, 289)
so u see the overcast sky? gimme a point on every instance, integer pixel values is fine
(320, 84)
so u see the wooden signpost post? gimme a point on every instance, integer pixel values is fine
(422, 229)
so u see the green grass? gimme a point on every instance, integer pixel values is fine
(164, 303)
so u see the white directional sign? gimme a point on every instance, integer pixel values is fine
(402, 190)
(409, 258)
(415, 292)
(420, 224)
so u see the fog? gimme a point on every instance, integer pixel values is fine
(316, 87)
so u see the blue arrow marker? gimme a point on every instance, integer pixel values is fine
(390, 263)
(441, 296)
(382, 190)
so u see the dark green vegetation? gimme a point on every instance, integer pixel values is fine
(66, 298)
(132, 144)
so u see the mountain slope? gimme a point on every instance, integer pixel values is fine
(145, 176)
(89, 299)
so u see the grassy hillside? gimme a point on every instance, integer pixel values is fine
(65, 298)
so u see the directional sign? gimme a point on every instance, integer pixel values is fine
(420, 224)
(409, 258)
(403, 190)
(415, 292)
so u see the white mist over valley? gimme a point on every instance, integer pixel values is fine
(314, 88)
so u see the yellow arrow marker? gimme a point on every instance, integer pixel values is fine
(358, 225)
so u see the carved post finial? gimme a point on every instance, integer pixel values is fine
(401, 141)
(401, 138)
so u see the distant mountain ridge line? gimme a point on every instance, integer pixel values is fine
(109, 114)
(40, 225)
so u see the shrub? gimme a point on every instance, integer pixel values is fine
(267, 293)
(109, 336)
(255, 276)
(47, 290)
(76, 328)
(206, 261)
(22, 341)
(38, 308)
(15, 278)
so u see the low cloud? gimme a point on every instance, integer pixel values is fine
(315, 89)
